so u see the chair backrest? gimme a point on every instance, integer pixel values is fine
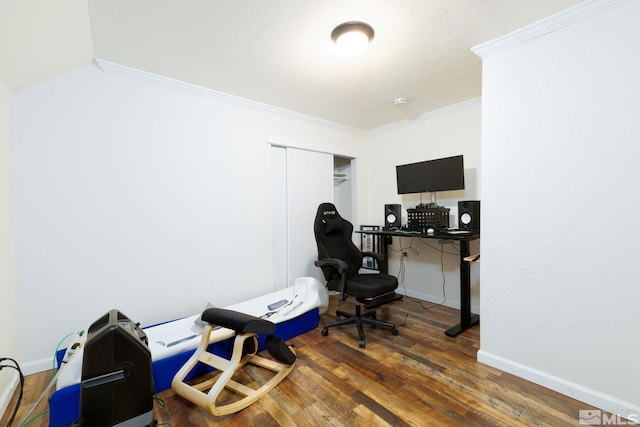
(333, 238)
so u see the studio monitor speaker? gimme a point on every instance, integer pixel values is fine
(469, 215)
(392, 217)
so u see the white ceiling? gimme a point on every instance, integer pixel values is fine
(277, 52)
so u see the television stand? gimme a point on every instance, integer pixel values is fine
(432, 204)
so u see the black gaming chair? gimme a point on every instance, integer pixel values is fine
(340, 261)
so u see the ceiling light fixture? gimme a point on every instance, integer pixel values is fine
(353, 37)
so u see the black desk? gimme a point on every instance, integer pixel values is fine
(467, 319)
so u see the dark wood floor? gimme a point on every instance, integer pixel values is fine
(418, 378)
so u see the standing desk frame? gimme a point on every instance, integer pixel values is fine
(467, 319)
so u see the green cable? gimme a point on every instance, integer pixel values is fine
(41, 414)
(55, 353)
(161, 403)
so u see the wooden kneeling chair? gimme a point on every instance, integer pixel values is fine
(245, 346)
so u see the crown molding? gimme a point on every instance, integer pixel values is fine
(428, 115)
(167, 82)
(547, 25)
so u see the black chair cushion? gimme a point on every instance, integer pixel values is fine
(240, 322)
(370, 285)
(333, 225)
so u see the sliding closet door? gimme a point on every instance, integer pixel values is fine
(279, 215)
(309, 182)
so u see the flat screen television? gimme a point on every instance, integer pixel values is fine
(431, 175)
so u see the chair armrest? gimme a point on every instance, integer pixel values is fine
(340, 265)
(332, 262)
(378, 257)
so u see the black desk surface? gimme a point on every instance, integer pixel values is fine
(467, 319)
(438, 234)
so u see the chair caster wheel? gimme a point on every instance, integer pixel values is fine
(394, 331)
(325, 332)
(361, 343)
(337, 318)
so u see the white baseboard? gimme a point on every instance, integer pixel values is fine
(576, 391)
(452, 303)
(36, 366)
(7, 393)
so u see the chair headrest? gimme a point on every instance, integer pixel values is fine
(329, 217)
(328, 211)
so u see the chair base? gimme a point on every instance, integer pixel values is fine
(244, 349)
(360, 319)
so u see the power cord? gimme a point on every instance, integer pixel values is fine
(71, 351)
(33, 419)
(441, 248)
(17, 368)
(402, 270)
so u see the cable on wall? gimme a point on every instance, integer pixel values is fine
(410, 248)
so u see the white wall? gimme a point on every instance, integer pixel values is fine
(142, 197)
(560, 149)
(451, 131)
(8, 311)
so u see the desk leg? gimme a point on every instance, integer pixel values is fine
(466, 318)
(382, 243)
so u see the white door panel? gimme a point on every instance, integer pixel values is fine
(309, 183)
(279, 216)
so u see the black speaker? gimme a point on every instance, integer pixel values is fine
(392, 217)
(469, 215)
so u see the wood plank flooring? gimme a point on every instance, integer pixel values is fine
(418, 378)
